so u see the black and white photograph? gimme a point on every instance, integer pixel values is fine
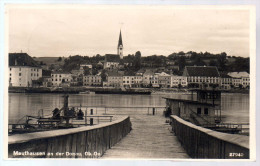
(130, 82)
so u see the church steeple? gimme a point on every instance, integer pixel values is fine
(120, 46)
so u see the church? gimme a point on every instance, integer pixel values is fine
(112, 60)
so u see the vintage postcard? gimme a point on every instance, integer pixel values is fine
(130, 82)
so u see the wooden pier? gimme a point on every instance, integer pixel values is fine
(150, 138)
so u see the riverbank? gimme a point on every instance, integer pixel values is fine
(75, 90)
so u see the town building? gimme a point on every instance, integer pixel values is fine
(60, 78)
(164, 80)
(138, 81)
(23, 70)
(178, 81)
(115, 79)
(225, 82)
(147, 78)
(199, 76)
(240, 79)
(46, 78)
(92, 80)
(111, 61)
(82, 66)
(154, 79)
(128, 81)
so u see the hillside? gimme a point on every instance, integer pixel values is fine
(49, 60)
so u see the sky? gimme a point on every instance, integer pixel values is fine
(64, 30)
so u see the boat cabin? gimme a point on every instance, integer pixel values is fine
(199, 113)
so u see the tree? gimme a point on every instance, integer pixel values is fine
(59, 59)
(222, 61)
(181, 62)
(137, 60)
(103, 75)
(212, 63)
(86, 70)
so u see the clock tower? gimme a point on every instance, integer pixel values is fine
(120, 46)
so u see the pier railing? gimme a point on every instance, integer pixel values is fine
(81, 142)
(200, 142)
(104, 110)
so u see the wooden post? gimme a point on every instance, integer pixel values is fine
(91, 121)
(86, 121)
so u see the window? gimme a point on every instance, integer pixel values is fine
(206, 111)
(19, 69)
(10, 69)
(198, 111)
(20, 74)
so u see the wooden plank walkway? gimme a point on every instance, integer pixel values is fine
(150, 138)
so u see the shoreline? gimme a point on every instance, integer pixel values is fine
(76, 90)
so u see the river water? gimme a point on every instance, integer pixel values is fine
(235, 107)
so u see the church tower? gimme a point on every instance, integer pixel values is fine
(120, 46)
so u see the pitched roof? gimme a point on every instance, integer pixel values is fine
(189, 101)
(164, 74)
(148, 72)
(114, 73)
(238, 74)
(120, 42)
(60, 72)
(202, 71)
(21, 59)
(112, 58)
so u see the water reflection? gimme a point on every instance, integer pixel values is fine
(235, 107)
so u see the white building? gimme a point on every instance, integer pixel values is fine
(202, 75)
(164, 80)
(128, 81)
(114, 79)
(154, 79)
(23, 70)
(225, 82)
(111, 65)
(85, 65)
(177, 81)
(138, 81)
(92, 80)
(240, 78)
(147, 78)
(59, 78)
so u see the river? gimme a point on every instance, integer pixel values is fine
(235, 107)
